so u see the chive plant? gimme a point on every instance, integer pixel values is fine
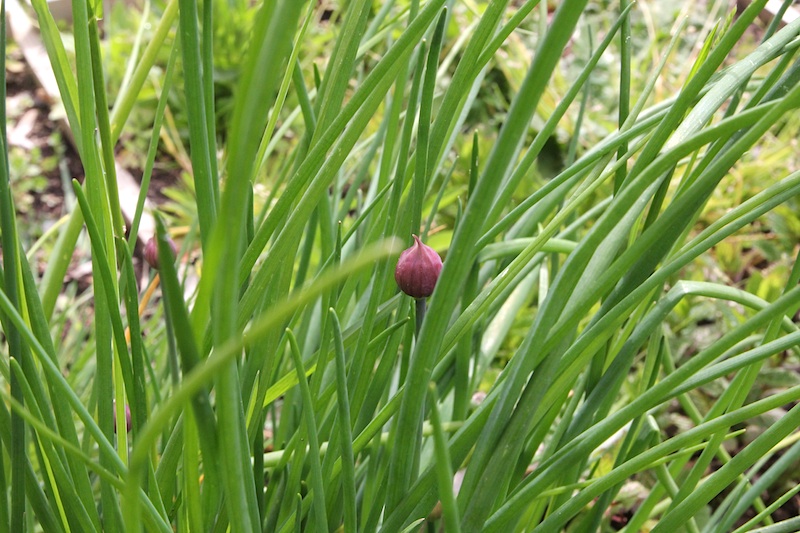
(292, 387)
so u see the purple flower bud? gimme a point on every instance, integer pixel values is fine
(418, 269)
(151, 251)
(127, 418)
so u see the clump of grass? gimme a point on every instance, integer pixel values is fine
(289, 387)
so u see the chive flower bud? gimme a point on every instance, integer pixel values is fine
(418, 269)
(127, 418)
(151, 251)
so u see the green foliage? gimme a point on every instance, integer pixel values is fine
(611, 336)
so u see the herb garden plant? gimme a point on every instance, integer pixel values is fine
(280, 380)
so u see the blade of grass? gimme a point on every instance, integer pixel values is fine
(128, 94)
(147, 171)
(133, 59)
(107, 279)
(422, 171)
(139, 403)
(52, 281)
(191, 479)
(624, 83)
(207, 202)
(292, 72)
(340, 66)
(154, 521)
(757, 488)
(65, 79)
(443, 469)
(785, 526)
(467, 71)
(98, 207)
(17, 448)
(207, 69)
(346, 437)
(57, 380)
(104, 129)
(317, 483)
(765, 514)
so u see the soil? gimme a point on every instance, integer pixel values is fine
(35, 136)
(20, 83)
(34, 129)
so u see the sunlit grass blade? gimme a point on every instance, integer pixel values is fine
(37, 500)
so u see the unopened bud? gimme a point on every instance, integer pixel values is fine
(418, 269)
(151, 251)
(127, 418)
